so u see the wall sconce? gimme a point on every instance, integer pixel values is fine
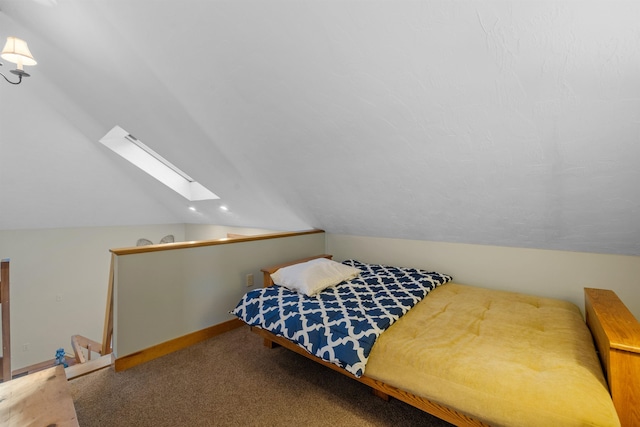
(17, 51)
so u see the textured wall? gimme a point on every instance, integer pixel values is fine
(494, 122)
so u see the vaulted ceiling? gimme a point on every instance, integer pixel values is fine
(507, 122)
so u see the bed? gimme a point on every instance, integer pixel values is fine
(468, 355)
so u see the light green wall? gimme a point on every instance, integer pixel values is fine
(59, 276)
(163, 295)
(59, 283)
(557, 274)
(59, 280)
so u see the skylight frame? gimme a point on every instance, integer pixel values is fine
(141, 155)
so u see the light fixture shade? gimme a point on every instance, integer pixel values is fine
(17, 51)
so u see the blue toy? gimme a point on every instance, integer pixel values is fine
(60, 360)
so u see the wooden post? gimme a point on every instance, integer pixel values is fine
(107, 334)
(616, 333)
(6, 319)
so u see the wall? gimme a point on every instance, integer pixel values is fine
(555, 274)
(59, 280)
(59, 283)
(72, 265)
(194, 232)
(166, 294)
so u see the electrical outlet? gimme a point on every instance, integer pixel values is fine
(58, 297)
(249, 280)
(25, 347)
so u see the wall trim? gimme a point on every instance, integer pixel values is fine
(162, 349)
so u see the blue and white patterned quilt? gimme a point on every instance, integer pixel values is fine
(341, 323)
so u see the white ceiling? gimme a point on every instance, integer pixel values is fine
(511, 123)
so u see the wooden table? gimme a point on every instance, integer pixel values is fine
(40, 399)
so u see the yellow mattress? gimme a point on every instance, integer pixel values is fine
(504, 358)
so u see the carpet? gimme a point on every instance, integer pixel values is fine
(233, 380)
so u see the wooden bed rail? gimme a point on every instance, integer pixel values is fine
(616, 333)
(379, 388)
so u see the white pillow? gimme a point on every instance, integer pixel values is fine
(313, 276)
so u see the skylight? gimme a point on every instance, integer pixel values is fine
(129, 147)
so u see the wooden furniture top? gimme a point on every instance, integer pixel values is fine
(623, 330)
(38, 399)
(617, 337)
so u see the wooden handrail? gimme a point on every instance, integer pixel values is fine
(78, 343)
(200, 243)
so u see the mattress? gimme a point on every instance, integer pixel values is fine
(504, 358)
(340, 324)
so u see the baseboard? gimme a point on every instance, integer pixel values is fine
(134, 359)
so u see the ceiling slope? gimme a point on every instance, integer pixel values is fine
(491, 122)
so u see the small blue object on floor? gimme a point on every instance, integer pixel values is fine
(60, 360)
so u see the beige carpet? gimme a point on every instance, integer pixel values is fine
(233, 380)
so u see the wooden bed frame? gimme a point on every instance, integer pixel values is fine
(616, 335)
